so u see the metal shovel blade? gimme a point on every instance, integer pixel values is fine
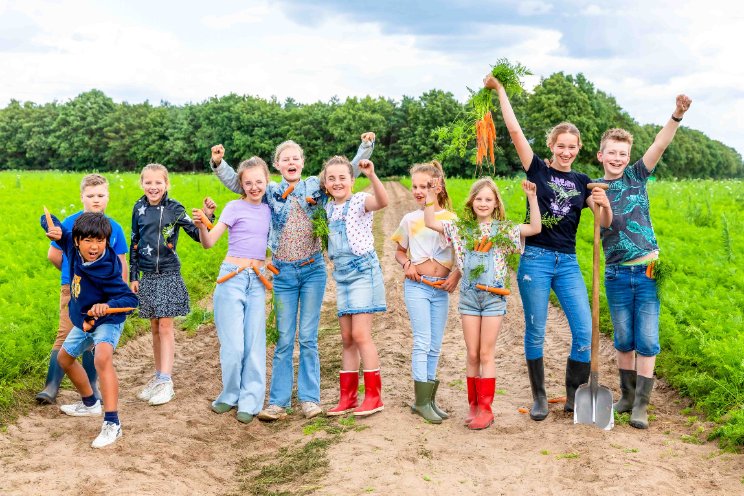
(593, 404)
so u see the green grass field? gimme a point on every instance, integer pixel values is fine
(699, 226)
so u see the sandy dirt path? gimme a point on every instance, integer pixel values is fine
(183, 448)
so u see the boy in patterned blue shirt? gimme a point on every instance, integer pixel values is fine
(630, 246)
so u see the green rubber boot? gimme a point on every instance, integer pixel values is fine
(627, 388)
(639, 417)
(434, 406)
(423, 391)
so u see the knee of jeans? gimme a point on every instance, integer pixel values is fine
(533, 339)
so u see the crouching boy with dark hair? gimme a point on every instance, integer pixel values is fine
(96, 288)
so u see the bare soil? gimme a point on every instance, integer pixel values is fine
(184, 448)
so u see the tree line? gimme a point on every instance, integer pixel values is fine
(91, 131)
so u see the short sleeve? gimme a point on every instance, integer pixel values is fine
(120, 244)
(513, 233)
(356, 208)
(400, 235)
(641, 172)
(537, 169)
(228, 214)
(450, 231)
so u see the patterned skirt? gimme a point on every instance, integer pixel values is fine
(163, 295)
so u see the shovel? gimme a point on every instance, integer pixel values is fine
(593, 402)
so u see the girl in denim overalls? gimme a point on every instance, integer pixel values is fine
(427, 261)
(359, 287)
(300, 284)
(240, 296)
(482, 242)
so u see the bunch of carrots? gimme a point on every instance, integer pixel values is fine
(485, 136)
(483, 246)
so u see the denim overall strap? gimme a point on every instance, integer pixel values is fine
(473, 261)
(338, 242)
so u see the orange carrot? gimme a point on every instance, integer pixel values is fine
(170, 246)
(486, 247)
(498, 291)
(273, 269)
(559, 399)
(288, 192)
(522, 410)
(261, 277)
(650, 270)
(50, 223)
(88, 323)
(310, 200)
(481, 243)
(205, 219)
(232, 274)
(433, 284)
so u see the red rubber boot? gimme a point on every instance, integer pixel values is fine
(486, 390)
(349, 384)
(372, 390)
(472, 399)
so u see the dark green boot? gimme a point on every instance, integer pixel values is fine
(434, 406)
(577, 373)
(639, 417)
(423, 391)
(627, 389)
(89, 365)
(54, 377)
(536, 372)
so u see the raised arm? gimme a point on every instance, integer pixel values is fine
(430, 219)
(134, 253)
(223, 171)
(535, 225)
(379, 197)
(364, 151)
(665, 136)
(524, 150)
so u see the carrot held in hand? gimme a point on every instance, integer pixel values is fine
(263, 279)
(288, 192)
(232, 274)
(498, 291)
(205, 219)
(111, 311)
(48, 216)
(433, 284)
(310, 200)
(272, 269)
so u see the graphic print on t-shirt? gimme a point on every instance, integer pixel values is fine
(563, 191)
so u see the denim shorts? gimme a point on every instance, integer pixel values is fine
(359, 285)
(78, 341)
(474, 301)
(634, 308)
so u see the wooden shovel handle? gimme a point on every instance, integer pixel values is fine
(596, 210)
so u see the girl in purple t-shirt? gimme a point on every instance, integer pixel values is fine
(240, 296)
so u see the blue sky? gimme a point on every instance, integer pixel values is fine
(642, 52)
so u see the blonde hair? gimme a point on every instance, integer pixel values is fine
(283, 146)
(615, 134)
(434, 169)
(335, 160)
(156, 167)
(251, 163)
(563, 127)
(485, 182)
(92, 180)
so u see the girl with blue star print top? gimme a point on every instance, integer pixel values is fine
(300, 284)
(549, 258)
(156, 219)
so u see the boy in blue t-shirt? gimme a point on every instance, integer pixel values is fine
(96, 288)
(630, 247)
(94, 194)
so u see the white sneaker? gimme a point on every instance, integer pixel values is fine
(311, 409)
(162, 393)
(80, 410)
(110, 432)
(146, 393)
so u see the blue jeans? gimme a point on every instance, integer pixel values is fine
(78, 340)
(299, 285)
(634, 307)
(427, 309)
(240, 317)
(539, 271)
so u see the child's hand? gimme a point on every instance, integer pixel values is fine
(411, 272)
(599, 197)
(99, 309)
(209, 206)
(134, 286)
(368, 136)
(366, 167)
(491, 82)
(683, 104)
(450, 284)
(529, 188)
(218, 151)
(196, 217)
(54, 233)
(435, 183)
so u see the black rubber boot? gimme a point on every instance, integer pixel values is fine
(627, 389)
(577, 373)
(89, 364)
(434, 406)
(536, 372)
(54, 377)
(639, 417)
(423, 407)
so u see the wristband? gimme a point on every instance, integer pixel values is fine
(676, 119)
(428, 204)
(406, 262)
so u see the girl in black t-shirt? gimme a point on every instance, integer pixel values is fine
(549, 260)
